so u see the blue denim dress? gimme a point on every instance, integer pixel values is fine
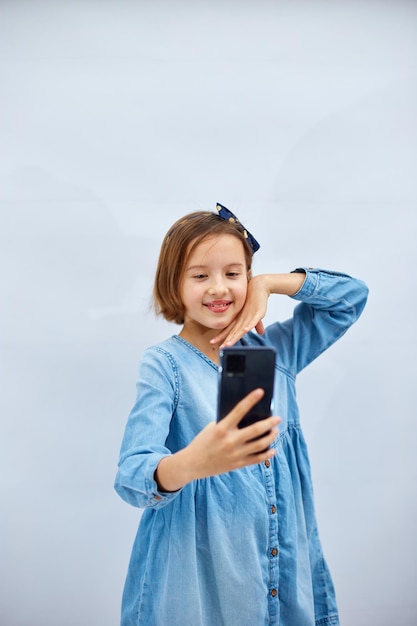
(242, 548)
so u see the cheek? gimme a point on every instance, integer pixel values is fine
(190, 294)
(243, 292)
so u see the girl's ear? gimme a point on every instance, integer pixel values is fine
(249, 275)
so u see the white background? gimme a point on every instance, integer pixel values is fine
(116, 118)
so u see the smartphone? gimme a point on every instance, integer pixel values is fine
(242, 369)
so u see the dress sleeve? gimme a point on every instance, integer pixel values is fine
(146, 432)
(330, 302)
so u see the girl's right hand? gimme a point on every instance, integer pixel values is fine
(221, 447)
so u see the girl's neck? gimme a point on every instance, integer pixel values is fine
(201, 341)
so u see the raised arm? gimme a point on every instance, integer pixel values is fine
(330, 302)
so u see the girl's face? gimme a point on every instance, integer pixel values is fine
(214, 284)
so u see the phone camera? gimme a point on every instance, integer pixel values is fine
(235, 363)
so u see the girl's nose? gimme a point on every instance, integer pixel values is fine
(217, 287)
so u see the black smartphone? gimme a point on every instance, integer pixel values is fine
(242, 369)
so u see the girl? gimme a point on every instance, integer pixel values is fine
(228, 536)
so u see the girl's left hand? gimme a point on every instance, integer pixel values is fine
(250, 316)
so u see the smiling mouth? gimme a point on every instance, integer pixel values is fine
(218, 307)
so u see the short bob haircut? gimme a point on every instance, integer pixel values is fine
(178, 244)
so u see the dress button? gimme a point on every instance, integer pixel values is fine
(267, 463)
(274, 551)
(274, 593)
(273, 509)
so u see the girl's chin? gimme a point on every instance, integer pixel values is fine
(220, 325)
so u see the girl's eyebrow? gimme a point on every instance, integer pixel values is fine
(201, 267)
(193, 267)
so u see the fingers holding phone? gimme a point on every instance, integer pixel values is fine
(246, 387)
(245, 427)
(222, 447)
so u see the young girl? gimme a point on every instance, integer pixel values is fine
(228, 536)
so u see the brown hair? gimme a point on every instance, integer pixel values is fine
(180, 241)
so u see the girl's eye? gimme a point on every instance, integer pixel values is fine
(199, 276)
(232, 274)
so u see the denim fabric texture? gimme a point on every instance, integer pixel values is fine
(242, 548)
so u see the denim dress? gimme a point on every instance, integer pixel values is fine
(241, 548)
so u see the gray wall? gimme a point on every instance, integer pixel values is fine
(115, 119)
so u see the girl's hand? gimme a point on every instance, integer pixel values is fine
(254, 310)
(223, 446)
(250, 316)
(220, 447)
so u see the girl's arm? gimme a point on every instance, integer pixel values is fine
(330, 302)
(220, 447)
(151, 473)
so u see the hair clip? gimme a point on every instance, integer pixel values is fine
(227, 215)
